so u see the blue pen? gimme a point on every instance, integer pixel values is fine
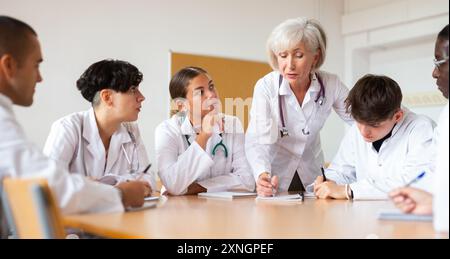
(420, 176)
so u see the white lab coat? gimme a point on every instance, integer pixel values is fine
(20, 158)
(267, 151)
(401, 158)
(441, 181)
(74, 141)
(180, 164)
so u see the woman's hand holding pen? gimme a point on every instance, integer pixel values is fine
(139, 176)
(266, 186)
(134, 192)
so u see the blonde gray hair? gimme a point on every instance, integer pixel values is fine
(290, 33)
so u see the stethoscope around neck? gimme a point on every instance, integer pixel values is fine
(131, 160)
(320, 100)
(217, 146)
(134, 156)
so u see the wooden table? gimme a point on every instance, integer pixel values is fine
(192, 217)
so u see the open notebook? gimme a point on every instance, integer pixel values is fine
(398, 215)
(282, 198)
(226, 195)
(149, 202)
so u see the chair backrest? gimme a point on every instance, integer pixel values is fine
(31, 209)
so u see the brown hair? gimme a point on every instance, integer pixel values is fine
(374, 99)
(180, 81)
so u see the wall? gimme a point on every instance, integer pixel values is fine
(400, 45)
(352, 6)
(74, 34)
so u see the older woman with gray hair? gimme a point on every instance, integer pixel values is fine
(290, 106)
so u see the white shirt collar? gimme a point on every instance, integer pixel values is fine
(285, 88)
(187, 128)
(6, 102)
(400, 123)
(92, 135)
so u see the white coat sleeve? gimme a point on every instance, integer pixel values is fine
(177, 172)
(342, 168)
(143, 160)
(420, 157)
(241, 176)
(262, 132)
(61, 143)
(73, 193)
(341, 93)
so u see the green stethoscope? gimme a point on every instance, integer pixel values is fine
(217, 146)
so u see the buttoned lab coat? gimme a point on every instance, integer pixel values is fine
(181, 164)
(19, 158)
(267, 151)
(74, 141)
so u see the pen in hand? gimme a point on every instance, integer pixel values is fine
(323, 174)
(145, 171)
(147, 168)
(420, 176)
(269, 175)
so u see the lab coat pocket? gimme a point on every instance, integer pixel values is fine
(220, 163)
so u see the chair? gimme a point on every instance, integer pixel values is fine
(31, 209)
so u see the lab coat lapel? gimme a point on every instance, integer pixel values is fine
(119, 138)
(187, 130)
(94, 147)
(92, 136)
(291, 103)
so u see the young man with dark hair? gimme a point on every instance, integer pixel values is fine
(20, 56)
(386, 148)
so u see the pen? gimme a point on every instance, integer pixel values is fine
(270, 181)
(323, 174)
(146, 169)
(420, 176)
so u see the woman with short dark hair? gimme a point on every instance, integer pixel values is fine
(103, 142)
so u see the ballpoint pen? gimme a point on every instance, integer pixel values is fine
(417, 178)
(323, 174)
(420, 176)
(145, 171)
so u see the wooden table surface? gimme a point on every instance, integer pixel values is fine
(192, 217)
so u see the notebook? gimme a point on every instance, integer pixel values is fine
(226, 195)
(147, 205)
(282, 198)
(398, 215)
(151, 198)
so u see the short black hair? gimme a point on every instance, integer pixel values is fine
(117, 75)
(374, 99)
(443, 34)
(14, 37)
(442, 37)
